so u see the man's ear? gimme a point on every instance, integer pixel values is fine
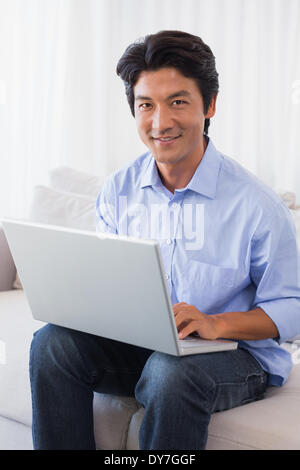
(212, 107)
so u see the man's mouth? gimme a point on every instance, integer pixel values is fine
(166, 140)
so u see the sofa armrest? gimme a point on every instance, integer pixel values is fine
(7, 265)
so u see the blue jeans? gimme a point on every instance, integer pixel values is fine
(179, 394)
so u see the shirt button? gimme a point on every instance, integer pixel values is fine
(168, 242)
(174, 205)
(167, 276)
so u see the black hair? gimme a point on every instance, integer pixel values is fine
(183, 51)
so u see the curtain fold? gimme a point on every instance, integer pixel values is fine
(61, 102)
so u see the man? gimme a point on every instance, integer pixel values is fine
(231, 264)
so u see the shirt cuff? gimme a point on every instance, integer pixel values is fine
(285, 313)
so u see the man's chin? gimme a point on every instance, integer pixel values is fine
(167, 159)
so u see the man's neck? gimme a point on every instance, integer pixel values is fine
(178, 175)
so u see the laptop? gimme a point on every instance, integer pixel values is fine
(107, 285)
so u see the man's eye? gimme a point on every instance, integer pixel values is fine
(144, 106)
(178, 102)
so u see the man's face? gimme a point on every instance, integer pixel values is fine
(170, 117)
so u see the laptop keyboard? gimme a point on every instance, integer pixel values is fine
(192, 342)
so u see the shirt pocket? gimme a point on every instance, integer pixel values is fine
(207, 286)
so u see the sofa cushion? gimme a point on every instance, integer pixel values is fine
(17, 327)
(7, 265)
(288, 197)
(112, 416)
(71, 180)
(50, 206)
(14, 436)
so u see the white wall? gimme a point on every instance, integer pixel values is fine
(62, 103)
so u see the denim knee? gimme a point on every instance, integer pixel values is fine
(167, 377)
(46, 341)
(161, 376)
(52, 349)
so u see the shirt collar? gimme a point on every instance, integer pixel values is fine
(151, 176)
(204, 180)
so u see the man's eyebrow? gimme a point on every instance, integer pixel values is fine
(141, 97)
(179, 93)
(174, 95)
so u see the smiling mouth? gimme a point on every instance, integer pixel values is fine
(166, 140)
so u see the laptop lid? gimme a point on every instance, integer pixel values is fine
(102, 284)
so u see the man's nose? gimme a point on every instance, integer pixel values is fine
(162, 119)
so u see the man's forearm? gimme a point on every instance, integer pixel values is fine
(251, 325)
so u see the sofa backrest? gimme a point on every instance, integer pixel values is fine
(7, 265)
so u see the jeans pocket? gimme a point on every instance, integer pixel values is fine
(247, 382)
(252, 375)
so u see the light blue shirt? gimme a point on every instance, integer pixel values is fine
(228, 243)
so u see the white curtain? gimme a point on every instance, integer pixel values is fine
(61, 102)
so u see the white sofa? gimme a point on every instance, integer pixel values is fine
(272, 423)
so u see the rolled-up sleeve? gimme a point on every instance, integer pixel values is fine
(275, 271)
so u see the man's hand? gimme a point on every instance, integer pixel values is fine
(253, 324)
(190, 320)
